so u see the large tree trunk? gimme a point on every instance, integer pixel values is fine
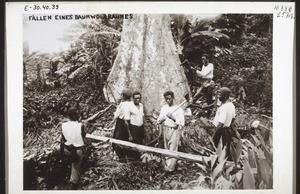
(147, 62)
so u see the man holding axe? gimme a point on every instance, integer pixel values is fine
(172, 119)
(206, 75)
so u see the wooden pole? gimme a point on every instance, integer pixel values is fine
(143, 148)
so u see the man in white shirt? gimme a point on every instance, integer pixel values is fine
(72, 142)
(172, 119)
(223, 121)
(206, 74)
(136, 122)
(122, 131)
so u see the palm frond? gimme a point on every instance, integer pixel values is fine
(213, 34)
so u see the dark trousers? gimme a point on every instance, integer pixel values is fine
(208, 92)
(137, 133)
(120, 133)
(226, 134)
(76, 159)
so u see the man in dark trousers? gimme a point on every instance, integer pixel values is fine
(122, 131)
(136, 122)
(72, 143)
(223, 121)
(206, 74)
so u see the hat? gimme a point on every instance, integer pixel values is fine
(224, 91)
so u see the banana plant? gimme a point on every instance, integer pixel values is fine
(258, 164)
(86, 38)
(198, 37)
(216, 172)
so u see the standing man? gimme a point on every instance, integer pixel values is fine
(172, 118)
(206, 74)
(136, 122)
(223, 121)
(72, 142)
(122, 131)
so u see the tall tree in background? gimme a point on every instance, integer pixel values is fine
(148, 62)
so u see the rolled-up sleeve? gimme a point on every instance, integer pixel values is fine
(127, 112)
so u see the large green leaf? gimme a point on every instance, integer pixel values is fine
(222, 183)
(256, 140)
(213, 160)
(239, 175)
(205, 162)
(228, 171)
(218, 169)
(219, 148)
(221, 152)
(266, 151)
(265, 171)
(201, 179)
(238, 150)
(202, 167)
(251, 159)
(248, 177)
(261, 139)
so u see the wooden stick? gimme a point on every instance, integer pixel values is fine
(270, 118)
(97, 114)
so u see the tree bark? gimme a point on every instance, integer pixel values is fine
(147, 62)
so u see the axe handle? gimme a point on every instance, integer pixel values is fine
(180, 105)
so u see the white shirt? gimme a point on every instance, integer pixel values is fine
(122, 110)
(136, 114)
(72, 133)
(207, 72)
(178, 115)
(225, 114)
